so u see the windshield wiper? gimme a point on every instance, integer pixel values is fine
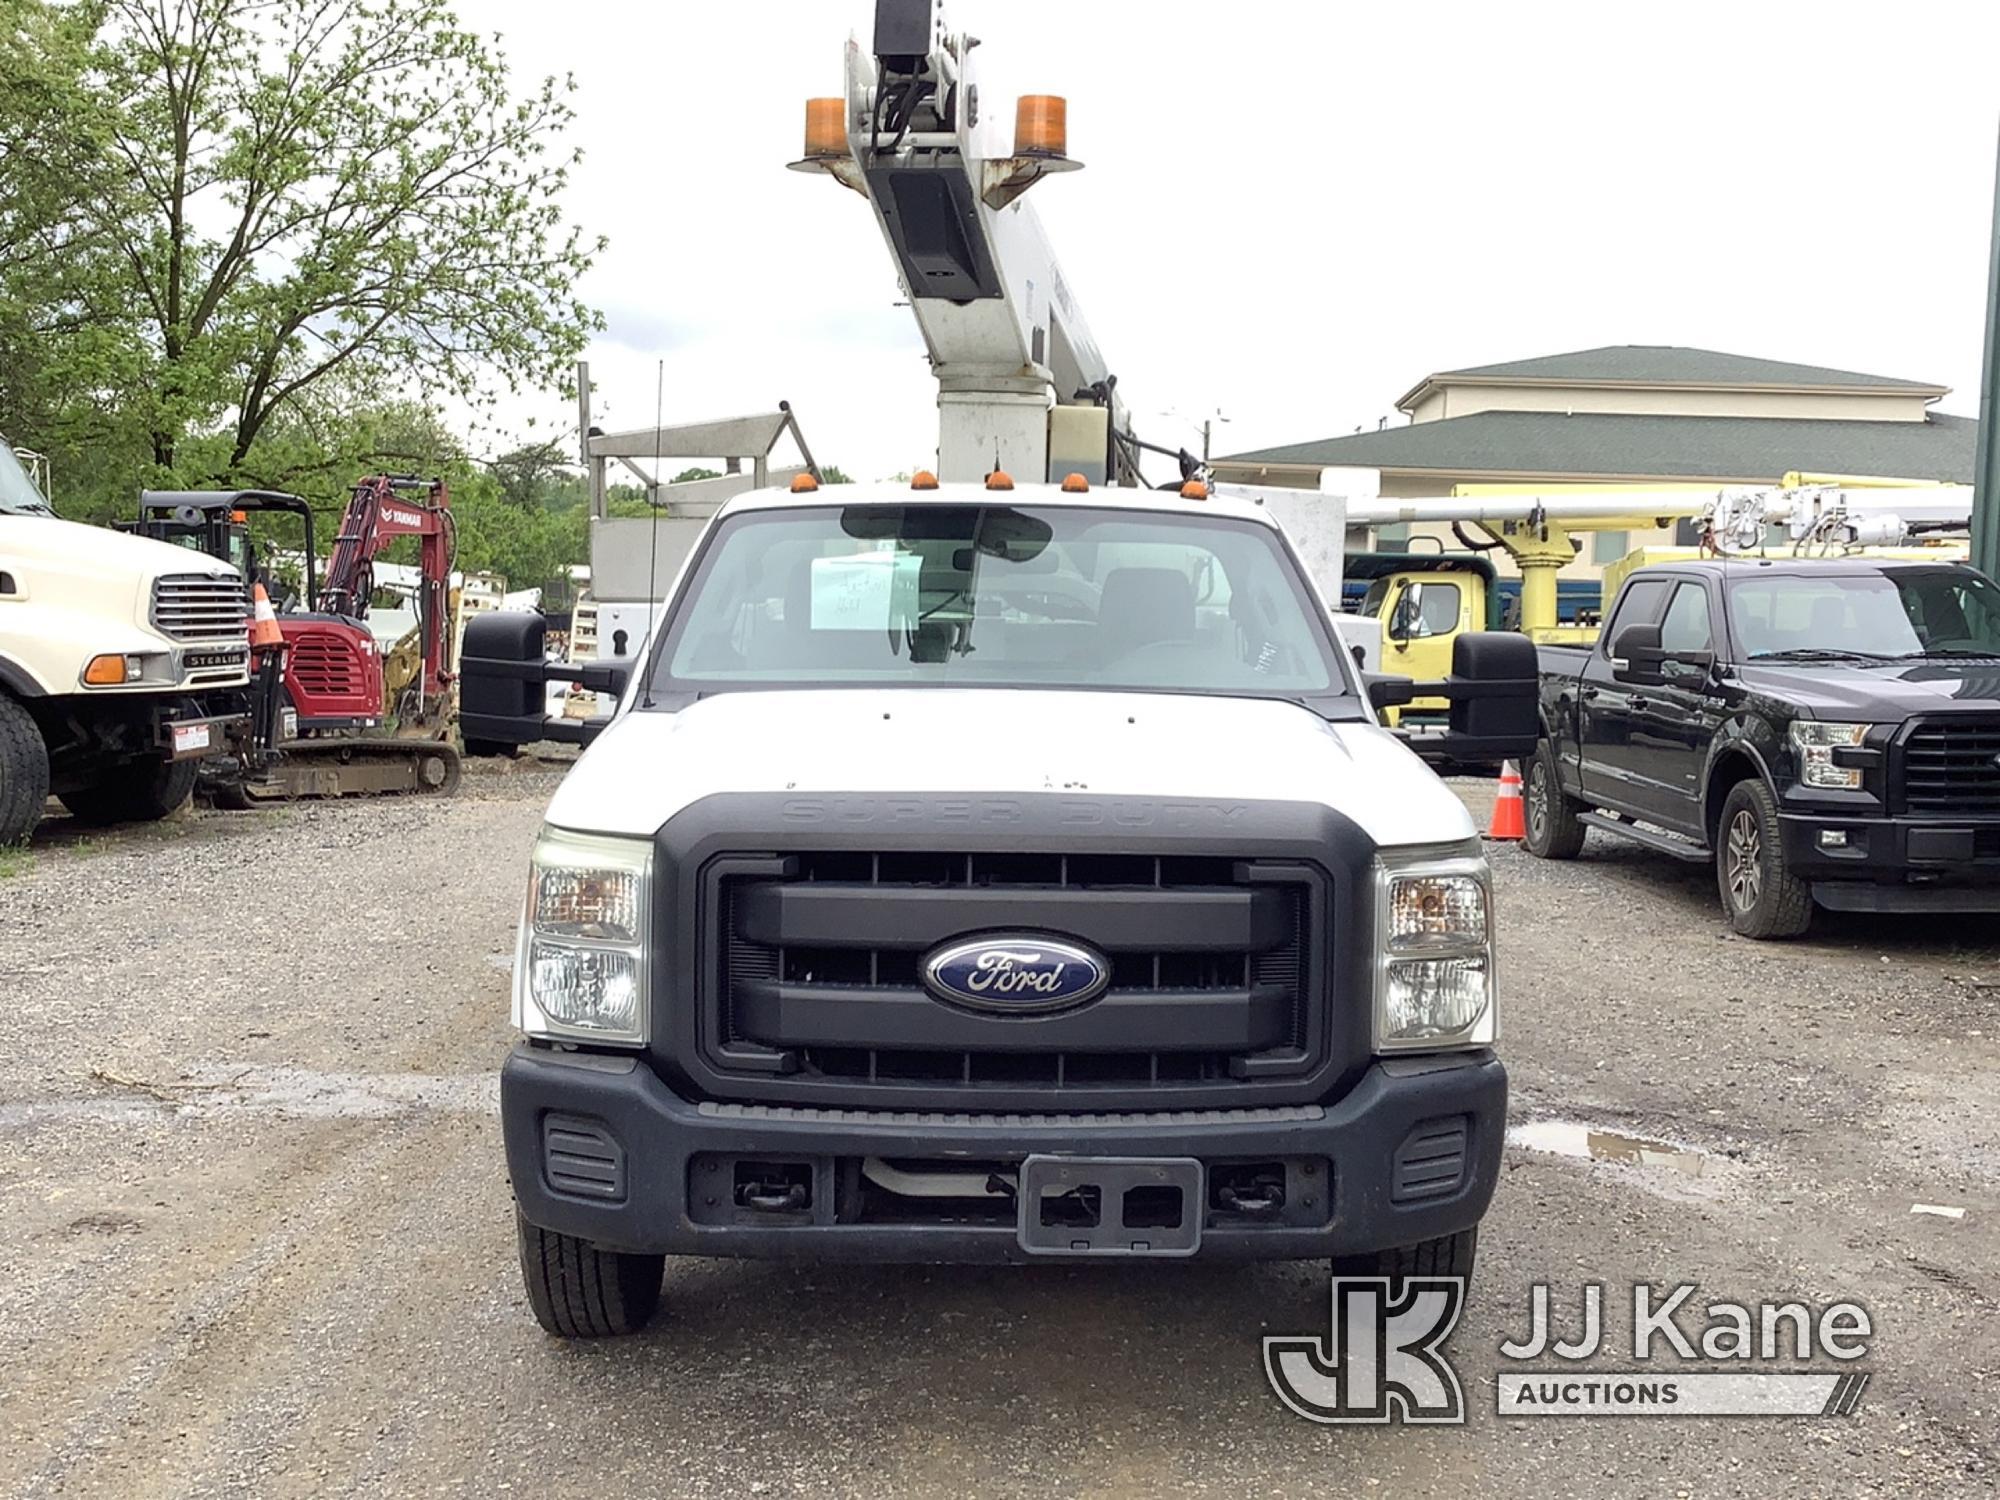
(1821, 653)
(1962, 653)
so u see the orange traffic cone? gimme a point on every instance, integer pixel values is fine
(264, 632)
(1508, 823)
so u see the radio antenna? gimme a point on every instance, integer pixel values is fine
(653, 541)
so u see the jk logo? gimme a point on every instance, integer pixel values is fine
(1380, 1360)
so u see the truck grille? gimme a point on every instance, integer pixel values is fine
(1952, 765)
(1217, 974)
(199, 606)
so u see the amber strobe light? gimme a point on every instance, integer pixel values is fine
(923, 479)
(826, 128)
(804, 484)
(999, 479)
(1041, 125)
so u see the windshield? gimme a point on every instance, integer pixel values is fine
(976, 596)
(1904, 612)
(18, 495)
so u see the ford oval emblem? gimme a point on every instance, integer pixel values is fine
(1016, 973)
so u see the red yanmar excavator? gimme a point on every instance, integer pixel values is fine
(323, 689)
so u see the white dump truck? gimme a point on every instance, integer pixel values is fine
(122, 662)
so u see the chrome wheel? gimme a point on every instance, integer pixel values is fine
(1744, 860)
(1538, 799)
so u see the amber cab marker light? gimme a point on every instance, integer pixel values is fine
(1075, 484)
(804, 484)
(826, 128)
(923, 479)
(1194, 489)
(105, 671)
(999, 479)
(1041, 125)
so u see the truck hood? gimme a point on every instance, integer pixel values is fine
(1883, 694)
(74, 548)
(648, 765)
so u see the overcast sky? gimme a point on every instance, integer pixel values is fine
(1291, 212)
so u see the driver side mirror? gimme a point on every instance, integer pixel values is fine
(1636, 656)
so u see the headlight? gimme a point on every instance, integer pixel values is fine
(1816, 740)
(1434, 984)
(580, 971)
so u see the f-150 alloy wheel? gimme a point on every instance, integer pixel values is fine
(1763, 897)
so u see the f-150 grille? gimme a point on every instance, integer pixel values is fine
(1953, 766)
(1216, 972)
(199, 606)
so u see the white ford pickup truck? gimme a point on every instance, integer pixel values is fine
(982, 874)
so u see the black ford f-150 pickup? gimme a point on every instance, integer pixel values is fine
(1823, 730)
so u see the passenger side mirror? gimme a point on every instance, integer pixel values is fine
(1495, 693)
(1391, 692)
(1495, 696)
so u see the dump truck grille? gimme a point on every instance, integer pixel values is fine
(1216, 973)
(199, 606)
(1952, 766)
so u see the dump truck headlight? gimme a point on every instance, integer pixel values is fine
(580, 972)
(1434, 986)
(1816, 740)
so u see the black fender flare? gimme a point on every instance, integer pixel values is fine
(16, 681)
(1729, 746)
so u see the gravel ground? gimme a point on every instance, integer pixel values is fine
(258, 1238)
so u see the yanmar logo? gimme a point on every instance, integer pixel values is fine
(401, 517)
(1003, 812)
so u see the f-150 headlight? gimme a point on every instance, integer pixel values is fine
(1816, 740)
(1434, 986)
(580, 971)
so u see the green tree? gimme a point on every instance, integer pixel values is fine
(834, 474)
(533, 474)
(50, 128)
(273, 194)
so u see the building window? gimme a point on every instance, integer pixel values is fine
(1609, 546)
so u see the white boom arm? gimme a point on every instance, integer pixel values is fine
(1021, 383)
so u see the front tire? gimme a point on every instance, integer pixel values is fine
(1552, 829)
(24, 772)
(142, 793)
(1761, 895)
(578, 1291)
(1448, 1255)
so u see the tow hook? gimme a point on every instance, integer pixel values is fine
(1256, 1194)
(777, 1191)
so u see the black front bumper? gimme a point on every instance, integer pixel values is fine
(600, 1148)
(1895, 864)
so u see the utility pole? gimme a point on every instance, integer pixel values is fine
(1986, 469)
(1206, 424)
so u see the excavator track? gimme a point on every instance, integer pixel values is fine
(381, 766)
